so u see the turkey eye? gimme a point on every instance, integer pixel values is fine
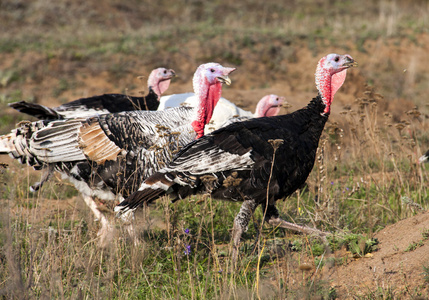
(337, 59)
(212, 70)
(165, 71)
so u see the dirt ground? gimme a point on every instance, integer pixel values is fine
(391, 266)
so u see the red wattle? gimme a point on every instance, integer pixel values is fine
(199, 128)
(205, 111)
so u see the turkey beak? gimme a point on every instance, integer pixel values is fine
(225, 78)
(173, 74)
(350, 62)
(353, 64)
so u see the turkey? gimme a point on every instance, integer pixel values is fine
(257, 161)
(158, 82)
(224, 110)
(268, 106)
(110, 155)
(424, 158)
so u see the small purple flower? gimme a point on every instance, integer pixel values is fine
(332, 183)
(188, 250)
(187, 230)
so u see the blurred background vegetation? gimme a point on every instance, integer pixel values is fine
(61, 50)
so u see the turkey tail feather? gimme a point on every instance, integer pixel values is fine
(152, 188)
(6, 144)
(39, 111)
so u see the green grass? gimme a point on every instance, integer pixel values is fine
(413, 246)
(426, 273)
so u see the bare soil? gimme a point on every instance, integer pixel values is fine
(392, 266)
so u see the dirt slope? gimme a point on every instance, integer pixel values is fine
(392, 265)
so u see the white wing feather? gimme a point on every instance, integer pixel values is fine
(211, 160)
(223, 112)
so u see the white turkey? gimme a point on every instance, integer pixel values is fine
(225, 110)
(109, 156)
(257, 161)
(158, 82)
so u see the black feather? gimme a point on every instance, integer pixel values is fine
(108, 102)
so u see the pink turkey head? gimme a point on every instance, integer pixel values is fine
(207, 83)
(269, 106)
(159, 80)
(330, 75)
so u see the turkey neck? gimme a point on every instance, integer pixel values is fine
(161, 87)
(269, 111)
(207, 102)
(328, 84)
(260, 108)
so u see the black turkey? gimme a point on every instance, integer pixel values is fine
(257, 161)
(158, 82)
